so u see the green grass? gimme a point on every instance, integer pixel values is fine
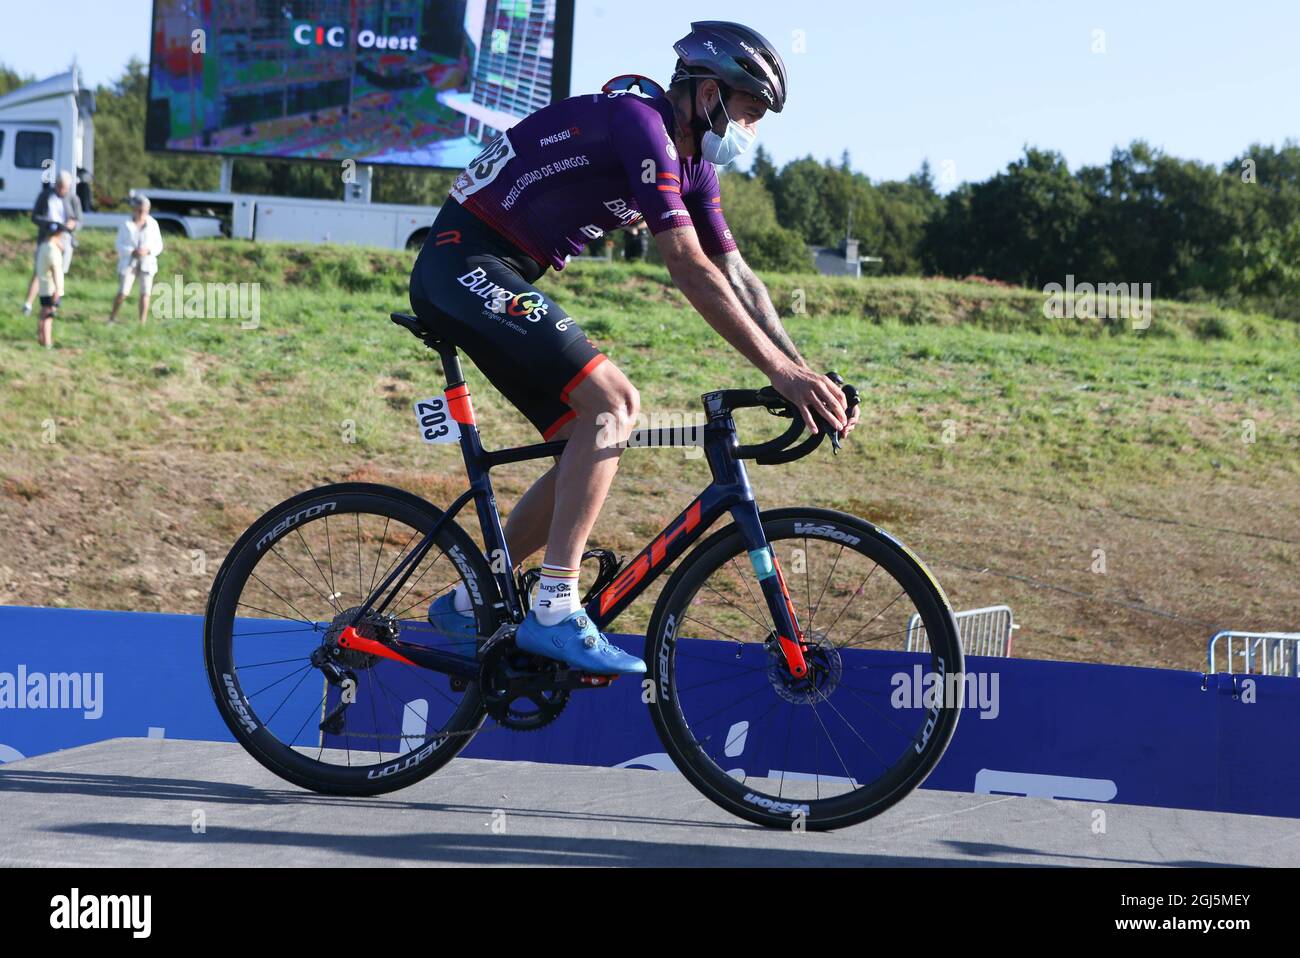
(992, 436)
(974, 364)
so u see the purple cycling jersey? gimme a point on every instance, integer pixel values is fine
(576, 169)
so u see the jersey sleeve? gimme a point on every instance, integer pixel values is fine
(704, 202)
(654, 171)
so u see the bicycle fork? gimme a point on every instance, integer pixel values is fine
(771, 580)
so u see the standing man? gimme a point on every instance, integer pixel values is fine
(139, 241)
(57, 213)
(635, 242)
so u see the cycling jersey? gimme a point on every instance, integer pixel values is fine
(574, 170)
(537, 194)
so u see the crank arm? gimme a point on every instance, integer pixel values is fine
(568, 680)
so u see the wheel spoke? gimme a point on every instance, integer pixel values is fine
(297, 595)
(843, 724)
(825, 585)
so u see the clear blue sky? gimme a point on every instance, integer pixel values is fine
(964, 81)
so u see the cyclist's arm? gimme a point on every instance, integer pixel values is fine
(707, 289)
(753, 295)
(703, 284)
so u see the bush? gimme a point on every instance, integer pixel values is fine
(775, 248)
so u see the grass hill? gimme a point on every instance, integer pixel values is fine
(1125, 491)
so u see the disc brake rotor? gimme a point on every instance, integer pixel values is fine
(825, 670)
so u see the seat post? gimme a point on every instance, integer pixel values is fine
(450, 363)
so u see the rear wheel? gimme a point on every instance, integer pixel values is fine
(282, 598)
(855, 736)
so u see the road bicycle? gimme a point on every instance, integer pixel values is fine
(776, 642)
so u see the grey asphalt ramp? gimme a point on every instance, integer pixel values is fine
(136, 802)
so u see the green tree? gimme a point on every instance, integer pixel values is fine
(751, 215)
(1024, 223)
(763, 169)
(120, 158)
(747, 203)
(11, 80)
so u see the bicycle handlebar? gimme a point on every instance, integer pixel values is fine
(781, 449)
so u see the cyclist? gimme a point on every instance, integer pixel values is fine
(536, 195)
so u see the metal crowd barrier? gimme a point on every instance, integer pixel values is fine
(1262, 653)
(984, 631)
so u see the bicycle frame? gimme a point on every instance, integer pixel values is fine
(729, 491)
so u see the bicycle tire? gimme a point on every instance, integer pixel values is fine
(692, 756)
(223, 674)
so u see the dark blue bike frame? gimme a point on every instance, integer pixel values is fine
(729, 491)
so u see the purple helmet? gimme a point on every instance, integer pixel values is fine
(734, 55)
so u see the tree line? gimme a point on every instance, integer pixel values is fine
(1193, 230)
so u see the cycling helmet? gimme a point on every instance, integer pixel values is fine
(737, 57)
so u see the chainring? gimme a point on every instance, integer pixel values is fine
(522, 712)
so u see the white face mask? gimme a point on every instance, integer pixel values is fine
(724, 150)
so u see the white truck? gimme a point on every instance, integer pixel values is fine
(48, 126)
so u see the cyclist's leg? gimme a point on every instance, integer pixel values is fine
(531, 351)
(529, 525)
(520, 339)
(606, 404)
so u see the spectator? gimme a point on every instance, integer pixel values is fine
(139, 241)
(71, 203)
(634, 242)
(57, 212)
(49, 277)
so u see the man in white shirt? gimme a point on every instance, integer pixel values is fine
(139, 241)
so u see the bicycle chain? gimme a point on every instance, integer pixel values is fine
(496, 637)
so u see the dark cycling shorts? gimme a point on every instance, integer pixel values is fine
(475, 288)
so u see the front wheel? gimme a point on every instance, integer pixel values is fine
(861, 730)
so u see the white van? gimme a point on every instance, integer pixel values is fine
(45, 127)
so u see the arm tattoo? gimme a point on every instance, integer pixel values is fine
(753, 295)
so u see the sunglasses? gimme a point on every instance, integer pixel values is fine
(633, 82)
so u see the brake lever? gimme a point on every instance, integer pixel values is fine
(851, 395)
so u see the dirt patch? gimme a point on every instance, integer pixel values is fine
(1138, 574)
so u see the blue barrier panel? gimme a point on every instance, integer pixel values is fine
(144, 670)
(1067, 730)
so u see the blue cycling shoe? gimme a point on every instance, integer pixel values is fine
(444, 617)
(577, 642)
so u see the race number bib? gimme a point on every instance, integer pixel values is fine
(436, 424)
(483, 169)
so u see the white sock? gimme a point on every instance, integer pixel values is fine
(462, 602)
(557, 595)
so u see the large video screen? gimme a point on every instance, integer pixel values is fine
(390, 82)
